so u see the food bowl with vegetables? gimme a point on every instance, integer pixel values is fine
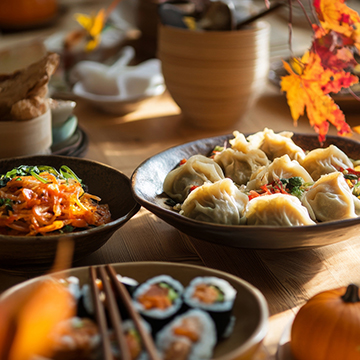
(259, 191)
(44, 199)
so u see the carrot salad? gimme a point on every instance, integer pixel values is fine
(40, 200)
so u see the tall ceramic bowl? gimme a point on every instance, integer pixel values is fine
(214, 76)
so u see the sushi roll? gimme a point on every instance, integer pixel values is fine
(85, 306)
(133, 340)
(129, 283)
(158, 300)
(215, 296)
(190, 336)
(75, 339)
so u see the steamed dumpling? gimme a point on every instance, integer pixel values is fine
(194, 172)
(277, 210)
(221, 203)
(325, 161)
(240, 143)
(330, 198)
(281, 168)
(276, 145)
(239, 166)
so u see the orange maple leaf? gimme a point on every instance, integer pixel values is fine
(307, 86)
(334, 15)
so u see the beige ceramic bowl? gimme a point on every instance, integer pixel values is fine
(27, 137)
(250, 307)
(214, 76)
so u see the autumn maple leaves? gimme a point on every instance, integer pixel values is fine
(325, 68)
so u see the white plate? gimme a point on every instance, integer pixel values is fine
(116, 104)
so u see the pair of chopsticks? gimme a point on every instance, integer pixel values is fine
(111, 285)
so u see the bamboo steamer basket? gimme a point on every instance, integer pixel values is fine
(27, 137)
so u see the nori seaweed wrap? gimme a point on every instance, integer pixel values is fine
(158, 300)
(215, 296)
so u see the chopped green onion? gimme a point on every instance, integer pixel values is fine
(67, 173)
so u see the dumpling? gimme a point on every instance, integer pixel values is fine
(221, 203)
(277, 210)
(194, 172)
(276, 145)
(330, 198)
(240, 143)
(325, 161)
(239, 166)
(281, 168)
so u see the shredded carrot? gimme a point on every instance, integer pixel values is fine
(31, 207)
(265, 189)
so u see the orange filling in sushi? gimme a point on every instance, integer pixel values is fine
(208, 294)
(156, 297)
(191, 329)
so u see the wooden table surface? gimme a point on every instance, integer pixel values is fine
(286, 278)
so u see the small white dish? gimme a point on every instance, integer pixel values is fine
(119, 88)
(117, 104)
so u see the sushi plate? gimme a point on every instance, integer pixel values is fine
(250, 308)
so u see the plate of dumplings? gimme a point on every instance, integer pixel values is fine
(264, 190)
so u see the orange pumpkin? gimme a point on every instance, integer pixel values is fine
(327, 327)
(22, 13)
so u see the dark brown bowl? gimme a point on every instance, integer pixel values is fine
(147, 187)
(24, 253)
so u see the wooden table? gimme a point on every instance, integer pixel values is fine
(286, 278)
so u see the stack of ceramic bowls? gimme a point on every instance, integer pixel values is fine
(214, 76)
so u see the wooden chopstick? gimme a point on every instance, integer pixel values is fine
(100, 316)
(115, 316)
(110, 281)
(124, 295)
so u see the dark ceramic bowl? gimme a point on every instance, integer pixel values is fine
(147, 187)
(20, 253)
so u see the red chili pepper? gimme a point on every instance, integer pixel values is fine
(193, 188)
(352, 171)
(183, 161)
(253, 194)
(265, 189)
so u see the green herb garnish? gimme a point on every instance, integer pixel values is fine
(36, 171)
(172, 294)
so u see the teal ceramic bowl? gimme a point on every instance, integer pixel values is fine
(65, 130)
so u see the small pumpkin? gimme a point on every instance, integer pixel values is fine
(327, 327)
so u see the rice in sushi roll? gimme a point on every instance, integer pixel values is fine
(158, 300)
(190, 336)
(215, 296)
